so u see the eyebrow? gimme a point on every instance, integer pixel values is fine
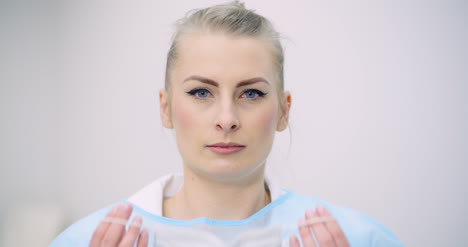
(214, 83)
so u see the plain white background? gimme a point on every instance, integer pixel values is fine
(379, 117)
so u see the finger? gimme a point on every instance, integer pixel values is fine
(101, 229)
(129, 239)
(324, 238)
(306, 235)
(293, 242)
(116, 231)
(333, 228)
(143, 239)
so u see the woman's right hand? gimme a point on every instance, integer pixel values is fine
(113, 234)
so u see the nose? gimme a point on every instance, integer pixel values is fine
(227, 120)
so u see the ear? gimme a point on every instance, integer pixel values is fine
(164, 109)
(285, 108)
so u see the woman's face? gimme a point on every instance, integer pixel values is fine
(224, 105)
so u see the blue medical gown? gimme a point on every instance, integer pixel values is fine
(270, 226)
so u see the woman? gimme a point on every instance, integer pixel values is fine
(225, 100)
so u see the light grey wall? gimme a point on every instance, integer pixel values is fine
(29, 97)
(378, 121)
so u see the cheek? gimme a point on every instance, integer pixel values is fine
(181, 118)
(266, 120)
(191, 124)
(186, 115)
(185, 123)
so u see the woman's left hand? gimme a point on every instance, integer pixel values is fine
(327, 233)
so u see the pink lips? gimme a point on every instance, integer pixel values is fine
(226, 148)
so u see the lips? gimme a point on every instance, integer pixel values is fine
(225, 148)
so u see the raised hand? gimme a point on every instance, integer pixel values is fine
(326, 230)
(111, 231)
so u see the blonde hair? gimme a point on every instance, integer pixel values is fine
(232, 19)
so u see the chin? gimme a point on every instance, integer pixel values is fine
(224, 170)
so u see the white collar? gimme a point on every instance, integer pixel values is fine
(150, 198)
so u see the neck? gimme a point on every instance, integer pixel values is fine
(201, 197)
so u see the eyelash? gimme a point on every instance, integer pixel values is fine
(193, 93)
(258, 92)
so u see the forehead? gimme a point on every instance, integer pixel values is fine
(223, 57)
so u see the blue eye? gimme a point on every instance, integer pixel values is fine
(200, 93)
(252, 94)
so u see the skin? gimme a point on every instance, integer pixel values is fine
(226, 115)
(113, 234)
(328, 234)
(222, 186)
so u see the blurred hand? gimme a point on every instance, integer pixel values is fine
(328, 233)
(113, 234)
